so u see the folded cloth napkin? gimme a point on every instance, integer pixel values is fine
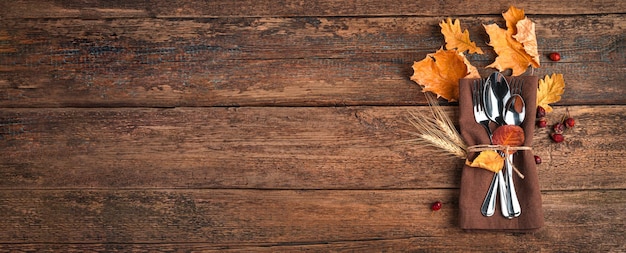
(475, 181)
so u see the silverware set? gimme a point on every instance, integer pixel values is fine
(495, 101)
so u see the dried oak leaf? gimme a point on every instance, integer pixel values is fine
(440, 73)
(550, 91)
(526, 35)
(455, 38)
(489, 160)
(511, 53)
(508, 135)
(512, 16)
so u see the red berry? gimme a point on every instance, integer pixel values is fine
(542, 123)
(436, 206)
(541, 112)
(537, 159)
(557, 138)
(554, 56)
(558, 128)
(569, 122)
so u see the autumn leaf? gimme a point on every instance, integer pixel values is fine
(508, 135)
(550, 91)
(526, 35)
(511, 52)
(440, 73)
(489, 160)
(457, 39)
(512, 16)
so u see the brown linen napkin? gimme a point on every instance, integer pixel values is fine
(475, 182)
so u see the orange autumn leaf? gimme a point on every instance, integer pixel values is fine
(550, 90)
(440, 73)
(489, 160)
(457, 39)
(511, 52)
(512, 16)
(508, 135)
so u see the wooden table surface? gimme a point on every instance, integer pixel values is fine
(267, 126)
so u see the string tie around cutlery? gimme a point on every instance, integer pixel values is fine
(504, 148)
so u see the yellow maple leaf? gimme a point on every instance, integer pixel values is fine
(550, 91)
(489, 160)
(511, 53)
(440, 73)
(456, 39)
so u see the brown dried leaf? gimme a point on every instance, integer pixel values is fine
(508, 135)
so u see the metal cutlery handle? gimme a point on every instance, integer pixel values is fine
(508, 195)
(489, 204)
(516, 209)
(504, 200)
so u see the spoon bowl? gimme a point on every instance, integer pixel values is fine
(496, 93)
(515, 110)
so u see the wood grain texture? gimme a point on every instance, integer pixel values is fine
(274, 61)
(295, 220)
(275, 148)
(195, 8)
(265, 126)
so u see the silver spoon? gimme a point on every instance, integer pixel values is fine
(495, 93)
(514, 114)
(515, 110)
(488, 207)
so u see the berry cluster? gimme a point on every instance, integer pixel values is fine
(557, 135)
(558, 128)
(541, 115)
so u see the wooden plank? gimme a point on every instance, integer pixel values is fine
(275, 148)
(196, 8)
(276, 61)
(299, 220)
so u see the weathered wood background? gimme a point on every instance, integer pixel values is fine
(279, 125)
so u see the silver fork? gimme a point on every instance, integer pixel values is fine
(488, 207)
(479, 111)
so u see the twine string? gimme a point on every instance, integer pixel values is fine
(504, 148)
